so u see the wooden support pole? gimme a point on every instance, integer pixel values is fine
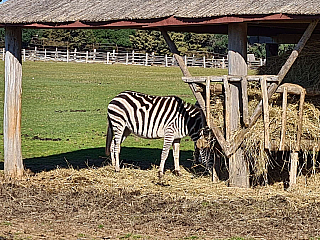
(237, 59)
(266, 120)
(227, 106)
(13, 165)
(183, 68)
(294, 158)
(237, 140)
(284, 119)
(300, 118)
(208, 113)
(244, 91)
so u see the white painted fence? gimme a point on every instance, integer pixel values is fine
(132, 58)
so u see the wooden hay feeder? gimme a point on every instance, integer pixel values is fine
(235, 88)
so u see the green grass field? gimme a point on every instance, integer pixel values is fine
(64, 110)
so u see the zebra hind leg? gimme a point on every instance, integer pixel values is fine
(176, 156)
(119, 137)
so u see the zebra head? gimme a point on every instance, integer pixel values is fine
(204, 148)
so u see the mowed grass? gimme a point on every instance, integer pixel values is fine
(64, 108)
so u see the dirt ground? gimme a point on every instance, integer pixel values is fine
(101, 204)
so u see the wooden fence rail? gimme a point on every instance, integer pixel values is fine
(132, 58)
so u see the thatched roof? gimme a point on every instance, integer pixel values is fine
(58, 11)
(264, 18)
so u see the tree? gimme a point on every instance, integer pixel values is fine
(118, 38)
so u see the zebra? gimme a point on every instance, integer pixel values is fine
(152, 117)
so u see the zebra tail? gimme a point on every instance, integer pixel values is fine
(109, 138)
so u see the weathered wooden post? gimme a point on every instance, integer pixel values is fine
(237, 57)
(13, 165)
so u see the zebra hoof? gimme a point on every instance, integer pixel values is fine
(177, 172)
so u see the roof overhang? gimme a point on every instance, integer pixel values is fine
(258, 25)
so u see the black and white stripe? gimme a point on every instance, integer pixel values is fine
(151, 117)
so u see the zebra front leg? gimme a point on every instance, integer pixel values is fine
(116, 154)
(168, 140)
(113, 160)
(176, 156)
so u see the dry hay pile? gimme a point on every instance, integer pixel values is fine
(101, 204)
(306, 69)
(253, 144)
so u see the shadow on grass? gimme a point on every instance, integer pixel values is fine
(141, 158)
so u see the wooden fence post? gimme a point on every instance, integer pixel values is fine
(132, 59)
(146, 62)
(166, 60)
(67, 55)
(56, 54)
(45, 54)
(223, 65)
(94, 54)
(127, 58)
(87, 56)
(13, 165)
(75, 54)
(24, 54)
(204, 61)
(108, 57)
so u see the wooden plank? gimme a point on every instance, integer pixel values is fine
(266, 120)
(237, 56)
(284, 119)
(291, 88)
(245, 102)
(300, 118)
(13, 165)
(202, 79)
